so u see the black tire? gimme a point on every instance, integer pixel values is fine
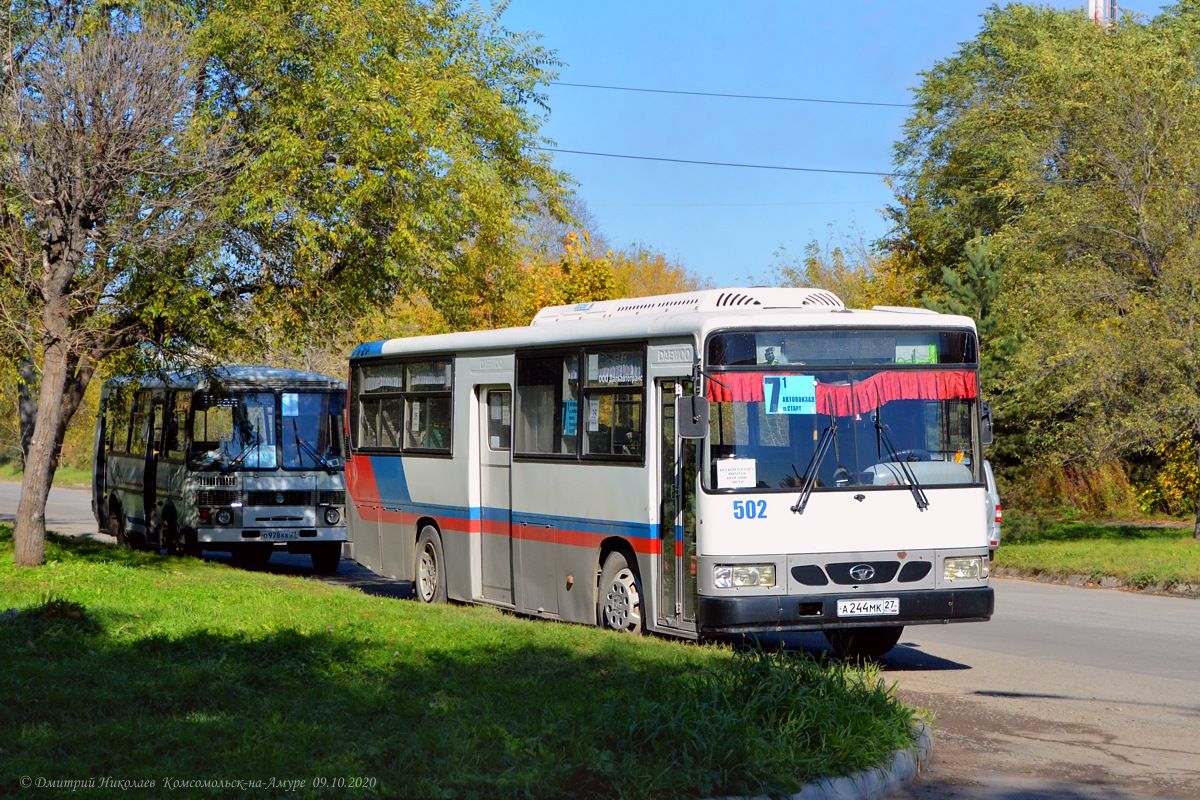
(863, 643)
(116, 525)
(252, 556)
(325, 557)
(619, 596)
(171, 536)
(429, 568)
(191, 544)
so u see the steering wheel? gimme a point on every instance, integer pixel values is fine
(914, 454)
(842, 477)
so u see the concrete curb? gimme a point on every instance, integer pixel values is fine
(873, 784)
(1187, 590)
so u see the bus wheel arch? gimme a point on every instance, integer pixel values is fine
(620, 599)
(429, 564)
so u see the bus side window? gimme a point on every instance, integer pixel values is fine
(548, 400)
(175, 424)
(117, 409)
(139, 423)
(499, 420)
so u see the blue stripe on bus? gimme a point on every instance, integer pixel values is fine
(368, 349)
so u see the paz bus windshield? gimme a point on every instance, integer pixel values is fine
(266, 431)
(855, 409)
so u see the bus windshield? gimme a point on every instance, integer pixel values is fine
(311, 422)
(239, 431)
(854, 407)
(234, 431)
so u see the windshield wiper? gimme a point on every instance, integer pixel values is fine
(312, 451)
(917, 492)
(810, 474)
(232, 465)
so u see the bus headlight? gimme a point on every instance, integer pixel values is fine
(736, 576)
(965, 569)
(224, 516)
(332, 515)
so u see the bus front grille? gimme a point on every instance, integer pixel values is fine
(331, 497)
(288, 497)
(216, 497)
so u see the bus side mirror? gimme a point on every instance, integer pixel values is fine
(985, 422)
(691, 417)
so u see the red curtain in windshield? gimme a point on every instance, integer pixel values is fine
(845, 399)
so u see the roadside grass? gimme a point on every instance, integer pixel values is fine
(63, 476)
(1139, 556)
(142, 668)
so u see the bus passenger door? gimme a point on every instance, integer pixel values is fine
(677, 519)
(495, 492)
(153, 428)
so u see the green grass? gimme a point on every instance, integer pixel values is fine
(63, 476)
(128, 665)
(1138, 556)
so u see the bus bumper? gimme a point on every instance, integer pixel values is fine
(776, 613)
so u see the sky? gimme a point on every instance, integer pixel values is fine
(732, 225)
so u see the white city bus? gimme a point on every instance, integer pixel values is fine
(707, 465)
(242, 459)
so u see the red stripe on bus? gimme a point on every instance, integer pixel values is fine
(527, 533)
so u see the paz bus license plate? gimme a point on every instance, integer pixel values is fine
(279, 536)
(875, 606)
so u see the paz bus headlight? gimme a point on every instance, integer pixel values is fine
(737, 576)
(965, 569)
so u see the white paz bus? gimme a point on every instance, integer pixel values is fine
(709, 464)
(242, 459)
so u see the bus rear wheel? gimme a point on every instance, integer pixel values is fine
(429, 574)
(619, 599)
(325, 557)
(863, 643)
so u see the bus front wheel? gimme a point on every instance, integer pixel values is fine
(429, 575)
(619, 600)
(251, 556)
(116, 525)
(172, 538)
(325, 557)
(863, 643)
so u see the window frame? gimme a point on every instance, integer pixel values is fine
(408, 396)
(586, 390)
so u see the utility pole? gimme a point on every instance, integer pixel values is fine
(1102, 12)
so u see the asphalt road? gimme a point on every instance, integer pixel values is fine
(1067, 693)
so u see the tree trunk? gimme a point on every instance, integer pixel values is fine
(1196, 447)
(26, 405)
(29, 530)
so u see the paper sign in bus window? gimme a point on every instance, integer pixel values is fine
(790, 394)
(737, 473)
(570, 417)
(291, 404)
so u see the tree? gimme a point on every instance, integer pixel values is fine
(246, 169)
(850, 268)
(641, 271)
(1076, 152)
(106, 193)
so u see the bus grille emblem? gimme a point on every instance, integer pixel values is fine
(279, 498)
(862, 572)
